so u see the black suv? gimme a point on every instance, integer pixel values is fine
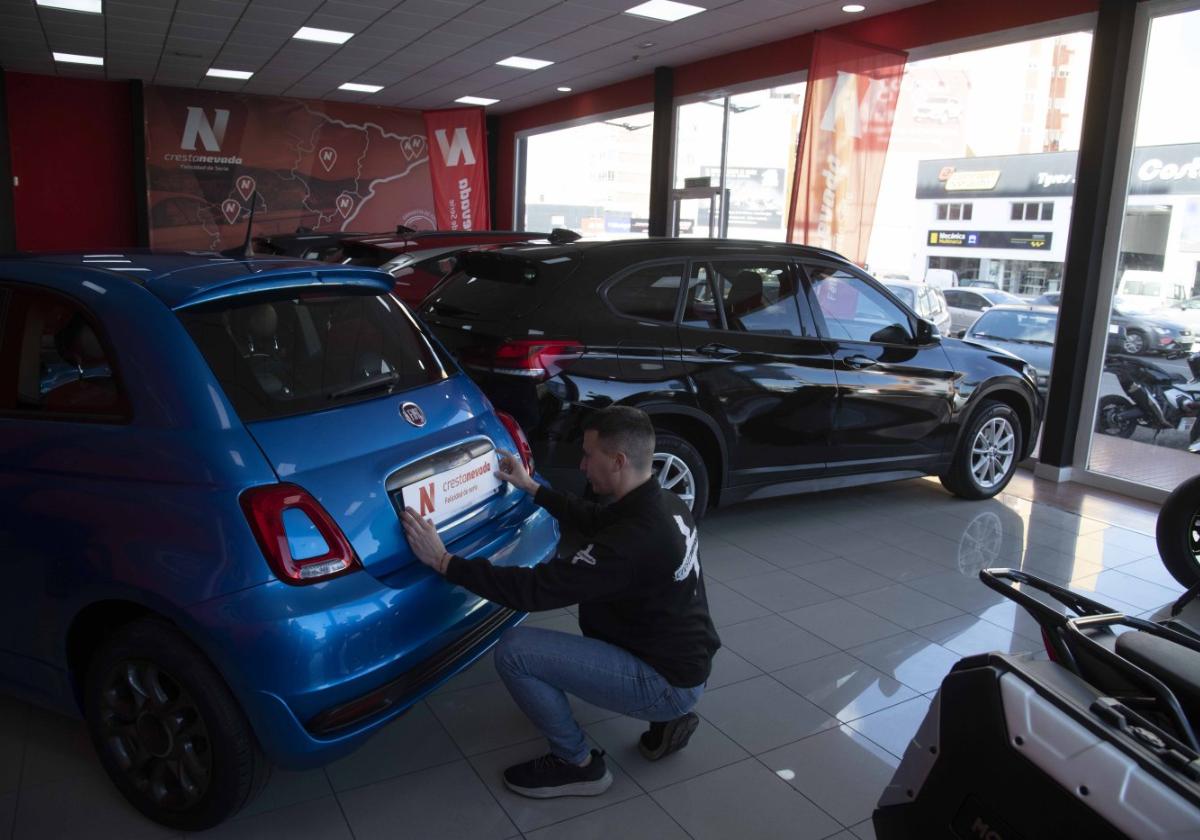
(766, 368)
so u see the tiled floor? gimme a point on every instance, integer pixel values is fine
(840, 613)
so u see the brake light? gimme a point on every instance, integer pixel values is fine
(300, 540)
(538, 360)
(518, 436)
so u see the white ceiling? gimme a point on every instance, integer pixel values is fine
(426, 53)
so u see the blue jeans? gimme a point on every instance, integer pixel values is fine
(540, 667)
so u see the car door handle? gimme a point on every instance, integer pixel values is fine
(717, 351)
(859, 362)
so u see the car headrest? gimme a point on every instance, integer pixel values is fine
(78, 343)
(745, 294)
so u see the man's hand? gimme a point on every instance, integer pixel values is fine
(513, 471)
(424, 540)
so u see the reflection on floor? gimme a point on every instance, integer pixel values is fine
(840, 614)
(1158, 466)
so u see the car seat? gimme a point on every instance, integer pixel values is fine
(79, 346)
(255, 329)
(745, 297)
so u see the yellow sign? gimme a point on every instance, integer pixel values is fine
(983, 179)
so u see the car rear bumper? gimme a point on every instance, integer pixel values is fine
(318, 669)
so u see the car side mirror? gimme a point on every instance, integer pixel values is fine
(961, 333)
(895, 334)
(927, 333)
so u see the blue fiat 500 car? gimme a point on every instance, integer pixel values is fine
(202, 465)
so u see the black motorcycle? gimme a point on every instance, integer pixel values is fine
(1155, 398)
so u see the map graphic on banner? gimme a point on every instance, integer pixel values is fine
(323, 166)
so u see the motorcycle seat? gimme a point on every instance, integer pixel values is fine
(1174, 664)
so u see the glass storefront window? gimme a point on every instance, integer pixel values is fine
(1145, 421)
(593, 179)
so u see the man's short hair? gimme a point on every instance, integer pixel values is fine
(624, 429)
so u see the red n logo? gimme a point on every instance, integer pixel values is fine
(427, 499)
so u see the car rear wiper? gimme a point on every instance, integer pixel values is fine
(387, 380)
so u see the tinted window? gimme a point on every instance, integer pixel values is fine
(905, 294)
(491, 285)
(649, 293)
(283, 356)
(1016, 325)
(700, 308)
(757, 296)
(56, 363)
(853, 308)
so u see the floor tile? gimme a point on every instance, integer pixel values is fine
(772, 642)
(967, 635)
(782, 549)
(898, 564)
(414, 741)
(707, 750)
(57, 748)
(844, 686)
(865, 830)
(530, 814)
(904, 606)
(893, 727)
(729, 607)
(841, 577)
(480, 672)
(728, 668)
(724, 562)
(842, 623)
(447, 801)
(965, 593)
(288, 788)
(1127, 588)
(918, 663)
(839, 540)
(81, 806)
(779, 591)
(318, 819)
(744, 800)
(839, 770)
(635, 819)
(1151, 569)
(761, 714)
(482, 718)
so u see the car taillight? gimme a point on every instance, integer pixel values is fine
(518, 436)
(538, 360)
(300, 540)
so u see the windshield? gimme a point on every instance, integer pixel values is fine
(280, 356)
(905, 294)
(1016, 325)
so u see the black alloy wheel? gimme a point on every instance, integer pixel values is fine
(1108, 419)
(680, 469)
(1135, 342)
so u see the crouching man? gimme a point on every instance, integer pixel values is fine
(648, 640)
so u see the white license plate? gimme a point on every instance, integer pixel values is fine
(453, 491)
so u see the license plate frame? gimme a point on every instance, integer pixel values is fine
(446, 494)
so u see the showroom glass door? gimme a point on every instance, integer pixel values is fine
(1141, 430)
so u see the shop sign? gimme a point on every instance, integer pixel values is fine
(1020, 239)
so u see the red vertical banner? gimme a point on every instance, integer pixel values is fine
(458, 168)
(849, 105)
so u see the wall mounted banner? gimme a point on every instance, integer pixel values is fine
(458, 168)
(326, 166)
(849, 105)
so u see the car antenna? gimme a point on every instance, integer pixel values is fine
(246, 251)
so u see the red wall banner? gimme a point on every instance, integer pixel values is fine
(326, 166)
(849, 105)
(458, 168)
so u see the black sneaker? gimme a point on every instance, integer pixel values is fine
(549, 776)
(667, 737)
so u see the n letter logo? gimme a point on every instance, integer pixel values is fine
(456, 150)
(427, 499)
(198, 126)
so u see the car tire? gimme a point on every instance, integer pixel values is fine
(1135, 343)
(1178, 533)
(987, 453)
(168, 730)
(1106, 420)
(679, 468)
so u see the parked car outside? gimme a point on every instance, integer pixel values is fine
(966, 305)
(1116, 325)
(925, 300)
(1150, 333)
(1023, 330)
(1185, 311)
(766, 368)
(203, 550)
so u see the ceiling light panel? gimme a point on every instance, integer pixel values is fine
(325, 36)
(71, 58)
(89, 6)
(357, 88)
(476, 100)
(666, 10)
(522, 63)
(228, 74)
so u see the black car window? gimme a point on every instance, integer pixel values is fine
(649, 293)
(853, 308)
(954, 297)
(57, 362)
(277, 357)
(700, 307)
(757, 296)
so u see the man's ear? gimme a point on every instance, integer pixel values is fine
(620, 459)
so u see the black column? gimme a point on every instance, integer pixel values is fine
(141, 195)
(1111, 44)
(660, 160)
(8, 223)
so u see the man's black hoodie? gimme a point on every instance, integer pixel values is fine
(637, 580)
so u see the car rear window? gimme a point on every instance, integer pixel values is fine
(282, 356)
(492, 285)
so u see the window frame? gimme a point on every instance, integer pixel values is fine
(804, 263)
(125, 411)
(616, 278)
(807, 326)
